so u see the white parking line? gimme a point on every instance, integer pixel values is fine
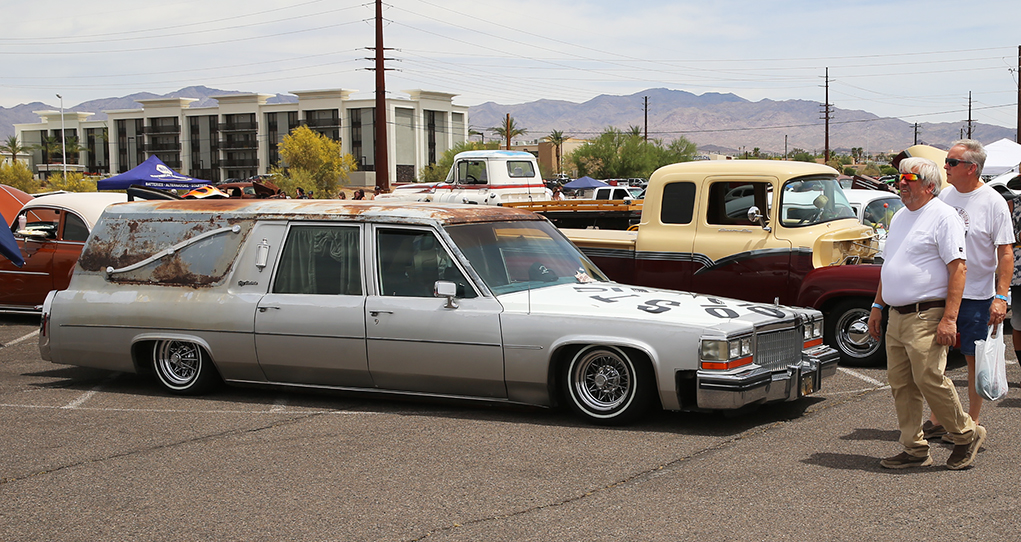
(88, 395)
(866, 378)
(20, 339)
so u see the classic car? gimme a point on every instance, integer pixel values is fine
(466, 301)
(51, 231)
(875, 208)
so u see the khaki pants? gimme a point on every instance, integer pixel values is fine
(915, 365)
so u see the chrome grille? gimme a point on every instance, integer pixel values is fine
(776, 350)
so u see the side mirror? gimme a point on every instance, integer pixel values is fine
(755, 215)
(447, 289)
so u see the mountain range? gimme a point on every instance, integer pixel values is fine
(715, 122)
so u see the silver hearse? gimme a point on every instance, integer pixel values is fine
(458, 301)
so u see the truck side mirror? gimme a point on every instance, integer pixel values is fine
(755, 215)
(447, 289)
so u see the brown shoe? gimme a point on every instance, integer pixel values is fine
(964, 454)
(905, 460)
(931, 430)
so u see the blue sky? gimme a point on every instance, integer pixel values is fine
(911, 60)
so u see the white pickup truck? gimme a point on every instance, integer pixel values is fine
(483, 178)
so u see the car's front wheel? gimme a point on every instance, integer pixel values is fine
(606, 386)
(183, 368)
(847, 330)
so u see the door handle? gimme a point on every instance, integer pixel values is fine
(264, 309)
(377, 313)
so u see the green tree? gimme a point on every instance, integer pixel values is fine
(801, 155)
(508, 130)
(437, 172)
(617, 154)
(19, 176)
(73, 147)
(556, 138)
(13, 147)
(49, 145)
(315, 161)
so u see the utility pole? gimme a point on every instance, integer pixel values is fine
(970, 119)
(646, 119)
(507, 131)
(826, 116)
(382, 165)
(1017, 135)
(916, 133)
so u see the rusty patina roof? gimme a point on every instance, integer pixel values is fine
(238, 209)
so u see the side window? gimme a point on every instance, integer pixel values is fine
(322, 260)
(602, 194)
(520, 169)
(39, 223)
(472, 172)
(411, 261)
(729, 202)
(678, 203)
(75, 228)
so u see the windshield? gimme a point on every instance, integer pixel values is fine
(515, 256)
(813, 200)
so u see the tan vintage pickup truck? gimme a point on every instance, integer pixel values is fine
(760, 230)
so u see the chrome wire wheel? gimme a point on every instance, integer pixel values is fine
(606, 386)
(602, 380)
(182, 367)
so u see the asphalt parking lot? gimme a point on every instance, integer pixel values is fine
(94, 455)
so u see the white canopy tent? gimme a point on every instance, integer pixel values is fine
(1003, 156)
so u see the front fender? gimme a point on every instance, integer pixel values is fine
(826, 283)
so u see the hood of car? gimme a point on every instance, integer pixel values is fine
(619, 302)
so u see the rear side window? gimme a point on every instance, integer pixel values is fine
(320, 260)
(678, 203)
(520, 169)
(75, 228)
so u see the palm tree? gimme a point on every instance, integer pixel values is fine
(508, 130)
(556, 138)
(49, 145)
(13, 147)
(73, 147)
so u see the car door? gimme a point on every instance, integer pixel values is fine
(416, 341)
(37, 232)
(310, 327)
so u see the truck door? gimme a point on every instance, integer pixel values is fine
(415, 341)
(740, 258)
(310, 327)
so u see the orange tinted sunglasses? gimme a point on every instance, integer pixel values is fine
(909, 177)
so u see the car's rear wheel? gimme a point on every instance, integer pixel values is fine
(605, 385)
(847, 330)
(183, 368)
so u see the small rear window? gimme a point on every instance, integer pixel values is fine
(520, 169)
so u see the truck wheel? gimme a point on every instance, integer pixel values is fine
(183, 367)
(847, 330)
(606, 386)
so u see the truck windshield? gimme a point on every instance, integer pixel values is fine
(516, 256)
(813, 200)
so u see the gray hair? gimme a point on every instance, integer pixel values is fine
(926, 169)
(974, 152)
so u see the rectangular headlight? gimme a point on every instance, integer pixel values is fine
(724, 355)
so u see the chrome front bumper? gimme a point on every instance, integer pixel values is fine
(758, 386)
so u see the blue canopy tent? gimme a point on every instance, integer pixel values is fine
(152, 173)
(9, 246)
(583, 183)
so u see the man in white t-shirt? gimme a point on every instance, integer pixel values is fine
(922, 280)
(989, 236)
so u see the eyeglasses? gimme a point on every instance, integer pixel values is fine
(954, 162)
(909, 177)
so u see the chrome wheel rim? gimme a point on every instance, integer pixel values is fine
(602, 381)
(852, 334)
(178, 362)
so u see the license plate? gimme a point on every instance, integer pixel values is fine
(807, 384)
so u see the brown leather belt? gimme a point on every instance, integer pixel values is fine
(919, 307)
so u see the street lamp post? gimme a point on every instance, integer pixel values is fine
(63, 140)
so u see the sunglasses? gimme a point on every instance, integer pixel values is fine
(909, 177)
(954, 162)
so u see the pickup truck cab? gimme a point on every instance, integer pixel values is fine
(483, 177)
(475, 302)
(759, 230)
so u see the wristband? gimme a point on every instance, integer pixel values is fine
(998, 296)
(877, 306)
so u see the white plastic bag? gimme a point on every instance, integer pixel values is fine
(990, 365)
